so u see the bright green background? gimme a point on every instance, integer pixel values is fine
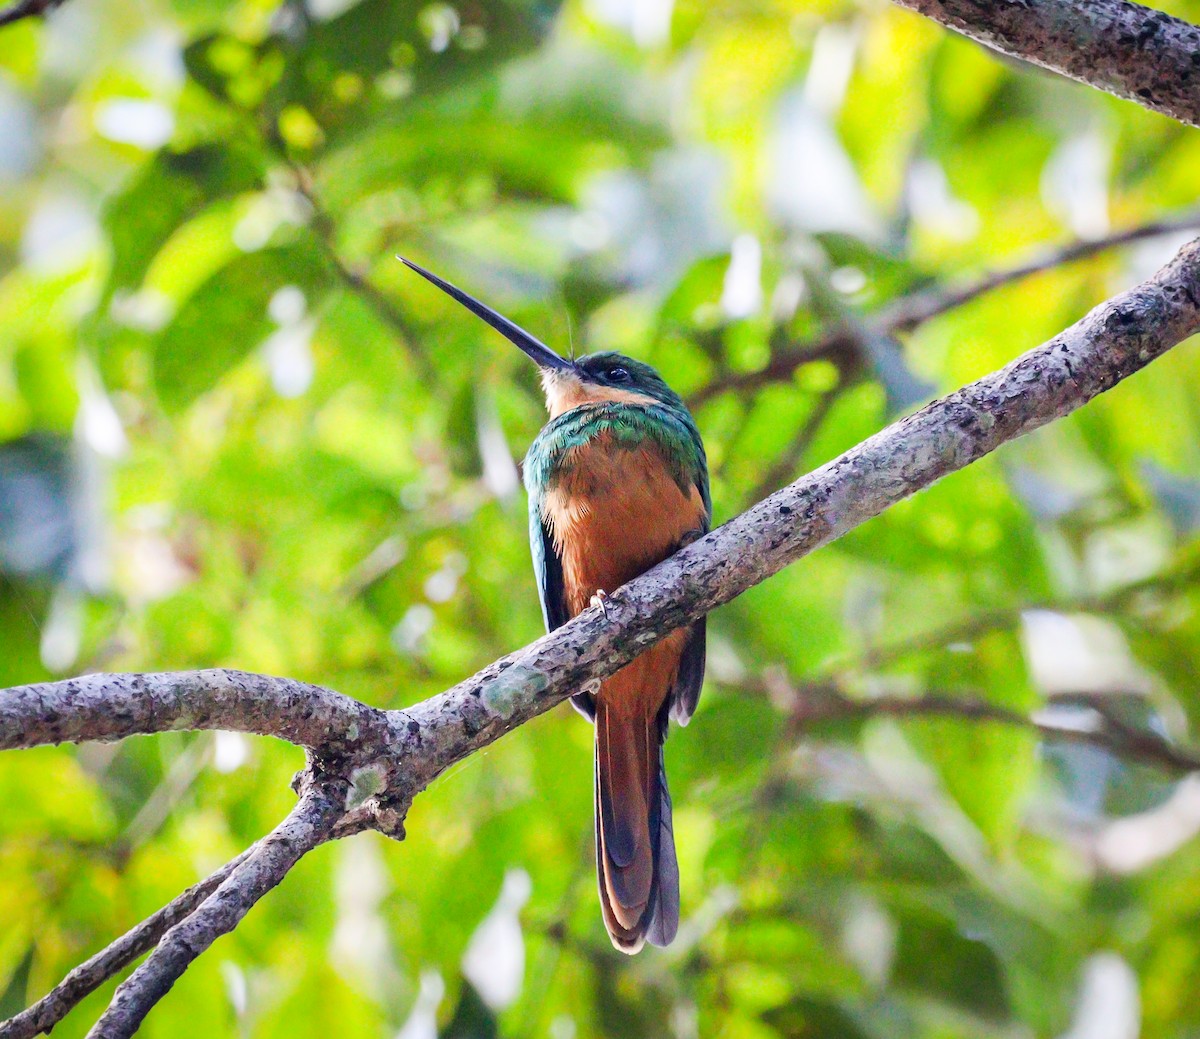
(199, 470)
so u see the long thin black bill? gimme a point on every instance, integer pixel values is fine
(535, 348)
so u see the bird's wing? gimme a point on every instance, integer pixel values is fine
(547, 568)
(686, 692)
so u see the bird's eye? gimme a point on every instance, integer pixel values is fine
(618, 374)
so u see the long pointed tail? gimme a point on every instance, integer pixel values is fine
(635, 842)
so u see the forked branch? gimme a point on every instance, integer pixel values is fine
(366, 764)
(43, 1015)
(309, 824)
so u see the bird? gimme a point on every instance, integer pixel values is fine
(617, 481)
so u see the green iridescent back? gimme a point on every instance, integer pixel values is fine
(667, 423)
(629, 426)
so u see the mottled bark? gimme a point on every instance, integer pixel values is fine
(365, 765)
(111, 707)
(397, 752)
(1115, 340)
(1123, 48)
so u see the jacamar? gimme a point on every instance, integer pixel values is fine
(617, 481)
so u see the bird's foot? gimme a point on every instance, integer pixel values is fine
(690, 537)
(601, 599)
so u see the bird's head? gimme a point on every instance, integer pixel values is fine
(591, 379)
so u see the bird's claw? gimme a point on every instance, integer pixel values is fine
(601, 599)
(690, 537)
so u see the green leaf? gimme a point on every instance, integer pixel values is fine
(174, 187)
(226, 318)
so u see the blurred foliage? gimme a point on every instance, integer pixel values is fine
(234, 431)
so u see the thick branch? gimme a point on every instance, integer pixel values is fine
(410, 747)
(309, 824)
(43, 1015)
(1115, 340)
(396, 753)
(111, 707)
(1125, 49)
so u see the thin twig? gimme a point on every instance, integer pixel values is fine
(309, 824)
(43, 1015)
(385, 310)
(27, 9)
(789, 459)
(782, 367)
(356, 281)
(1006, 618)
(910, 312)
(817, 705)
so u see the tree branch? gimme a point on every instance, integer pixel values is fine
(43, 1015)
(393, 754)
(1116, 339)
(789, 459)
(309, 824)
(353, 278)
(111, 707)
(1118, 47)
(911, 311)
(1006, 618)
(819, 704)
(27, 9)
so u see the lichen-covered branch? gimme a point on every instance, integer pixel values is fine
(1123, 48)
(1116, 339)
(111, 707)
(411, 747)
(309, 824)
(366, 764)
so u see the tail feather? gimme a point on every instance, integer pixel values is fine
(635, 848)
(624, 938)
(622, 806)
(664, 921)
